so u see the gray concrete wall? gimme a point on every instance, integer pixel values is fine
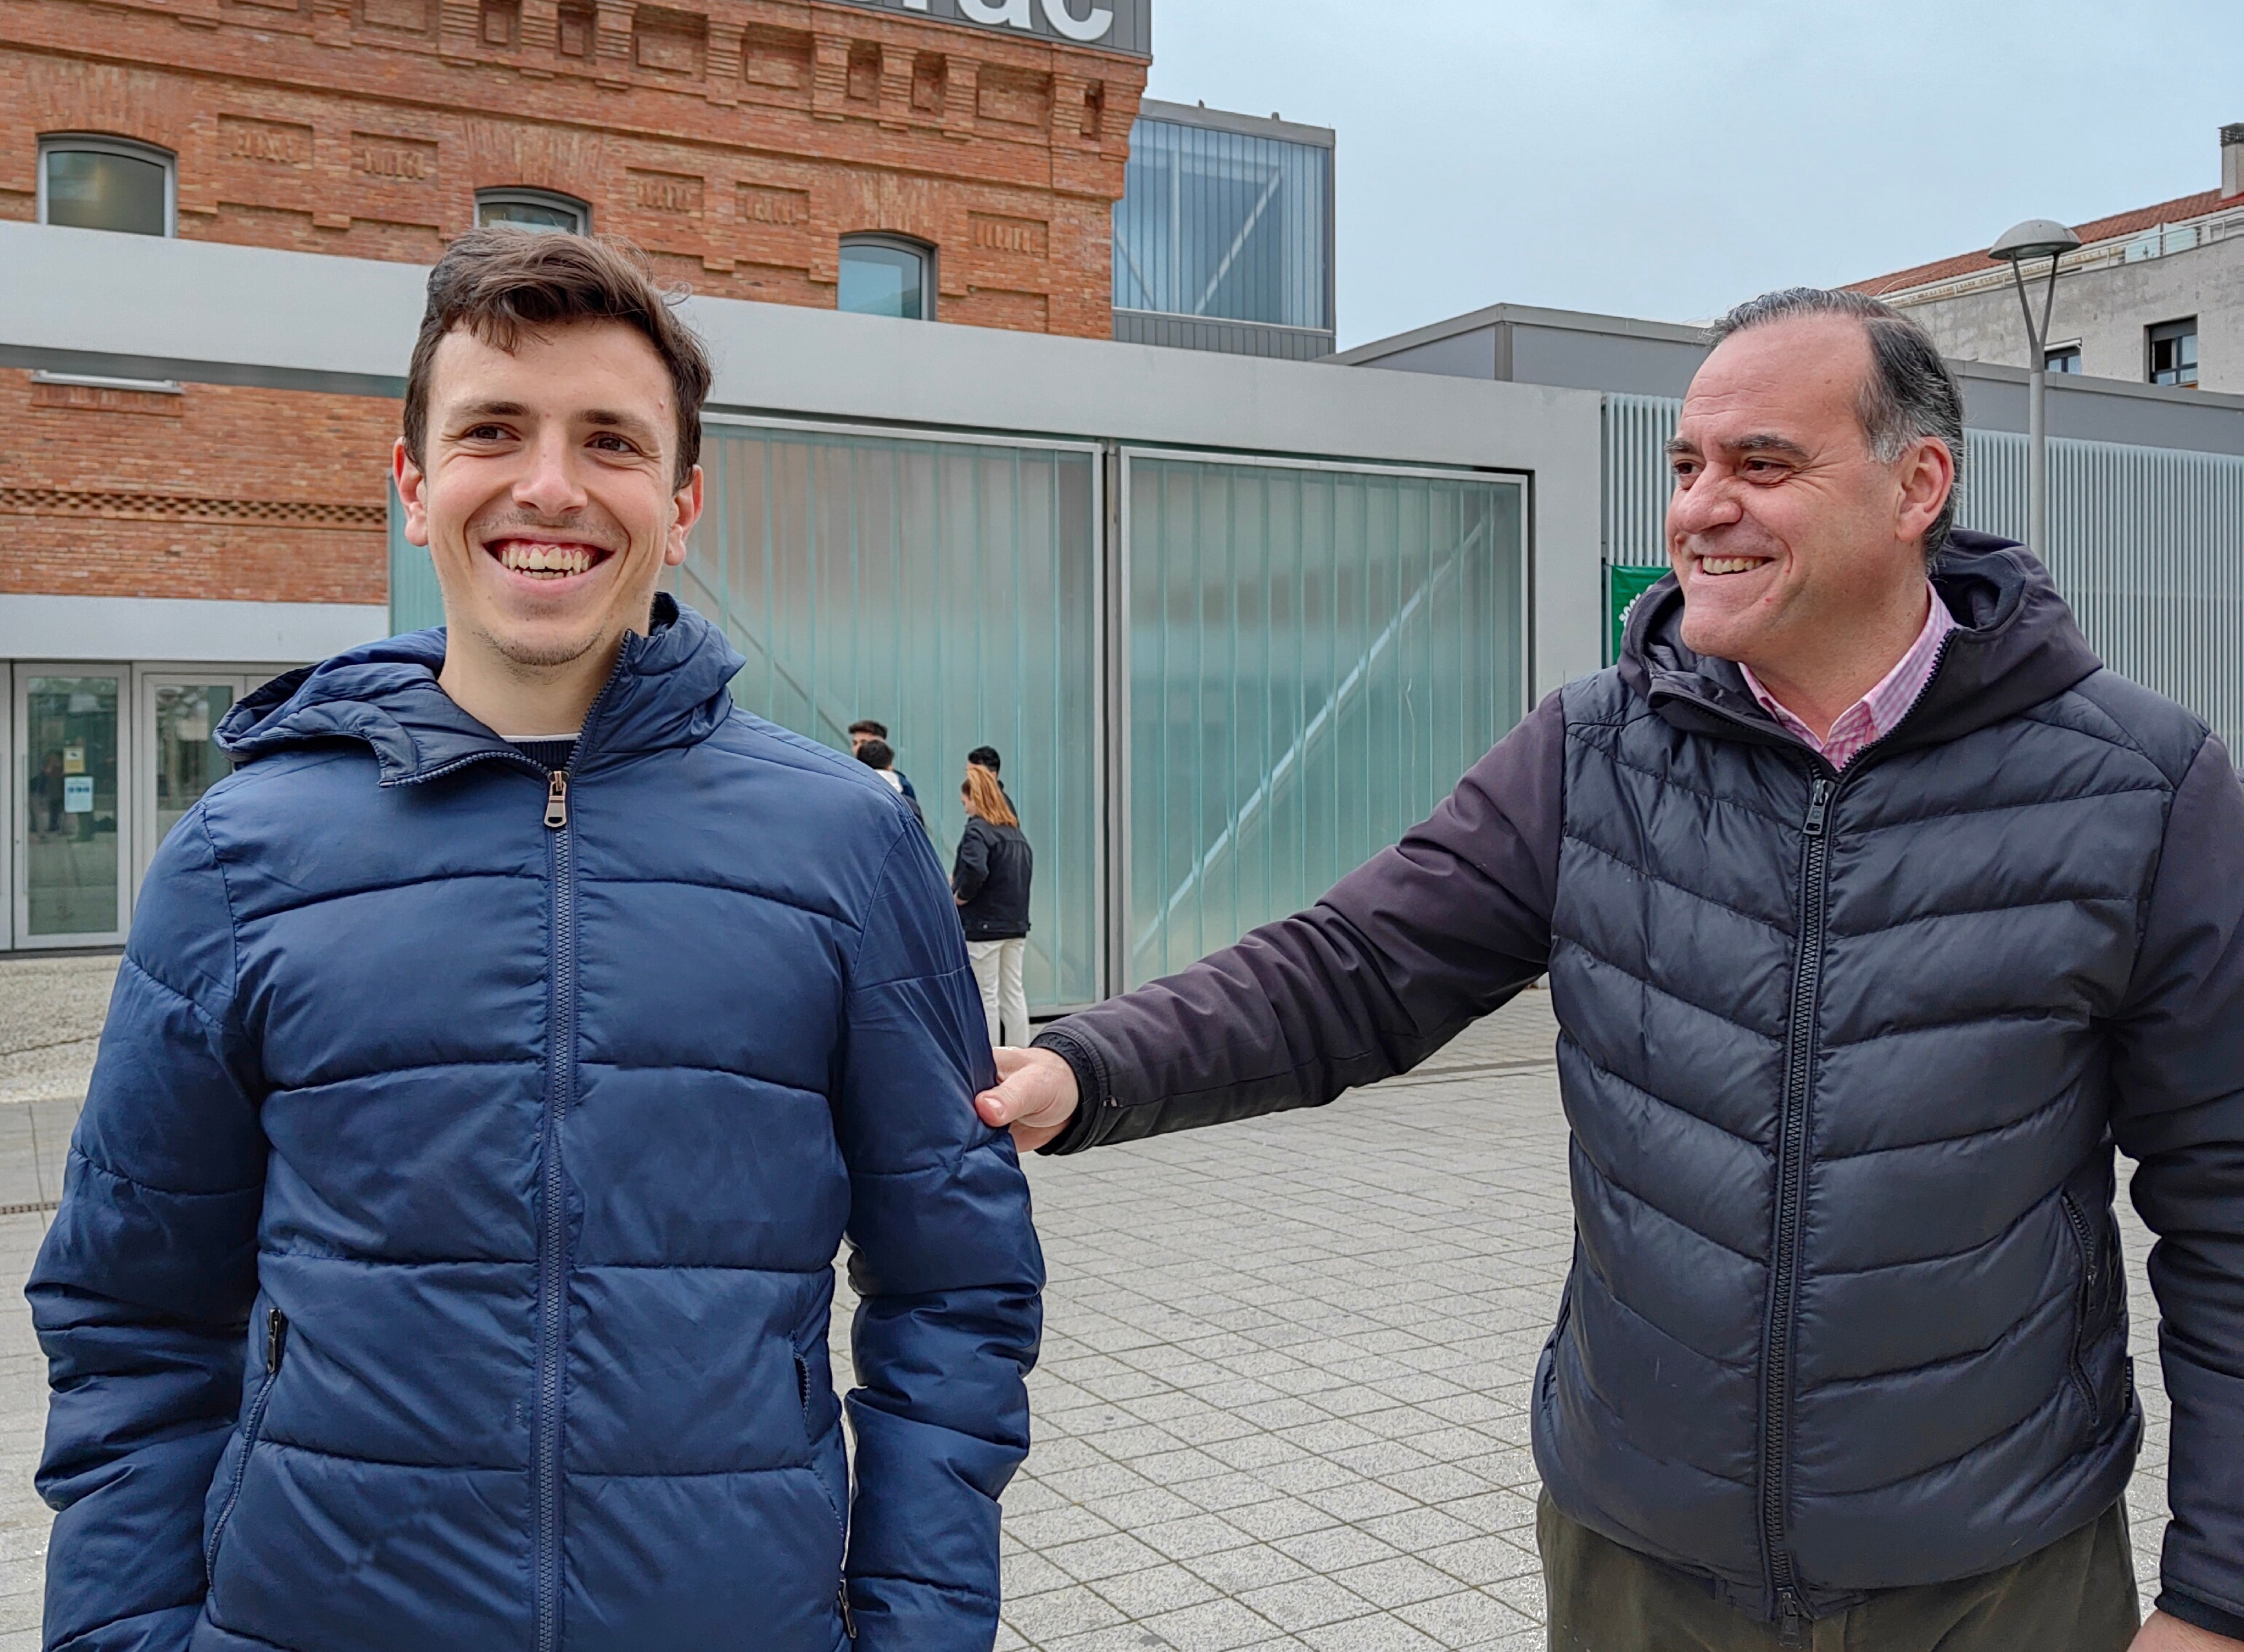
(2106, 309)
(85, 301)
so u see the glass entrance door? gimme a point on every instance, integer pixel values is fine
(70, 866)
(179, 716)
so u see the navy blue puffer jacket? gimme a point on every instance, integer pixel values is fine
(443, 1260)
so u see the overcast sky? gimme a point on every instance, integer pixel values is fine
(1667, 158)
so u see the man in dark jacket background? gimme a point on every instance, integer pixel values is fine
(498, 1060)
(1875, 914)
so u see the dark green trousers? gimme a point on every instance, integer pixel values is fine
(2076, 1595)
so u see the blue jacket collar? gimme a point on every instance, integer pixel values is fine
(668, 689)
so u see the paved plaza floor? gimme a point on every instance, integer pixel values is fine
(1283, 1397)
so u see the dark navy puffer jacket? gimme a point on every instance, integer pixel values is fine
(1846, 1056)
(445, 1255)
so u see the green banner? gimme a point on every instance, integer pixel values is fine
(1623, 586)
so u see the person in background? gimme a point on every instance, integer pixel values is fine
(875, 755)
(865, 730)
(986, 757)
(990, 880)
(47, 793)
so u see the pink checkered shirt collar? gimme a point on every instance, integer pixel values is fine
(1871, 718)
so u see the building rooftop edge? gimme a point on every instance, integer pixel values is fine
(1531, 315)
(1200, 115)
(2094, 233)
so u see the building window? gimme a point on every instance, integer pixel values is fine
(1225, 225)
(2062, 358)
(106, 183)
(888, 275)
(532, 209)
(2173, 349)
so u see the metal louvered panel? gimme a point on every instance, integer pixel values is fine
(1636, 479)
(2147, 546)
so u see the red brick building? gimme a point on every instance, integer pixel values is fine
(738, 143)
(770, 150)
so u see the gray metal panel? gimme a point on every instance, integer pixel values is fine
(1459, 356)
(2106, 411)
(1129, 24)
(1621, 364)
(1230, 338)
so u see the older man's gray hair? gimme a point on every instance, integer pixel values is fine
(1910, 394)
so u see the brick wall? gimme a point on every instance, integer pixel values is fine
(736, 140)
(218, 491)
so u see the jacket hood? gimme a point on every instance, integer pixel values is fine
(667, 689)
(2016, 645)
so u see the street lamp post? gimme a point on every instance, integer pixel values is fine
(2019, 245)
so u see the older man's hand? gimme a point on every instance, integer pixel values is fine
(2164, 1634)
(1035, 1095)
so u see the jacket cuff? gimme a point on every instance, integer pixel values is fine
(1093, 1096)
(2201, 1614)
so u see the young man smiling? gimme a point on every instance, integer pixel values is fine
(1876, 913)
(498, 1061)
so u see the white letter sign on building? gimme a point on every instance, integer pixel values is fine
(1116, 25)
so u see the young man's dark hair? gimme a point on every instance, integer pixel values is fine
(500, 282)
(498, 1060)
(876, 754)
(867, 726)
(986, 757)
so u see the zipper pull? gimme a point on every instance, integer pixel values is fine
(1792, 1623)
(1819, 807)
(276, 1339)
(556, 800)
(849, 1618)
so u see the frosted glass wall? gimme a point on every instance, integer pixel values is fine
(1316, 656)
(947, 589)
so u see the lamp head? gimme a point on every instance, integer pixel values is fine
(2035, 238)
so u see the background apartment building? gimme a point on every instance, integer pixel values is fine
(2153, 296)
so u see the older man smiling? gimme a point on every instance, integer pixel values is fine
(1876, 913)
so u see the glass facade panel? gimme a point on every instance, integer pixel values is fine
(70, 805)
(878, 278)
(416, 601)
(1220, 224)
(98, 189)
(188, 760)
(1315, 658)
(948, 590)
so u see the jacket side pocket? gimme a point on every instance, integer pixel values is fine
(252, 1421)
(2086, 1294)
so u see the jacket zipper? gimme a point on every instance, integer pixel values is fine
(2079, 1221)
(1791, 1181)
(276, 1347)
(552, 1236)
(1800, 1062)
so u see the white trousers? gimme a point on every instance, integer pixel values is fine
(997, 972)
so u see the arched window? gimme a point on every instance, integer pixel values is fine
(888, 275)
(91, 182)
(533, 209)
